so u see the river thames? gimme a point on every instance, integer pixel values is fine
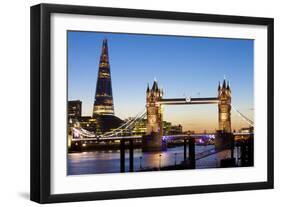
(93, 162)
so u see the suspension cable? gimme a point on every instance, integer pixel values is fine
(249, 121)
(128, 123)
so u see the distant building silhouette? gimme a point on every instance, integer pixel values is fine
(74, 109)
(103, 104)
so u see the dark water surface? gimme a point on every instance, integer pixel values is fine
(109, 161)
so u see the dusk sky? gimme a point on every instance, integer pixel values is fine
(183, 66)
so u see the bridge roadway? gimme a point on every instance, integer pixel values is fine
(178, 136)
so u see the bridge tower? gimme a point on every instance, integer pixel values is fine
(154, 113)
(154, 129)
(224, 137)
(224, 96)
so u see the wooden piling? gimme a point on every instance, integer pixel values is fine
(192, 153)
(184, 149)
(122, 155)
(131, 155)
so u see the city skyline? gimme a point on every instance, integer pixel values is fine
(183, 66)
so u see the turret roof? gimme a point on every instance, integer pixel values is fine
(155, 86)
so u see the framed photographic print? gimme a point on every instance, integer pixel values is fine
(132, 103)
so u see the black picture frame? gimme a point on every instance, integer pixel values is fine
(41, 96)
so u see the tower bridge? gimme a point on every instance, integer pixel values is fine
(155, 102)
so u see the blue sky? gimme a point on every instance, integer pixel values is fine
(183, 66)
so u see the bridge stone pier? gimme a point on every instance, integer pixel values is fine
(153, 141)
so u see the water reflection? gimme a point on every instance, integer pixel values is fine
(109, 161)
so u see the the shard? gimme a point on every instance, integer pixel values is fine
(103, 104)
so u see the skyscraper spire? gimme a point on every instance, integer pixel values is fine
(104, 47)
(103, 104)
